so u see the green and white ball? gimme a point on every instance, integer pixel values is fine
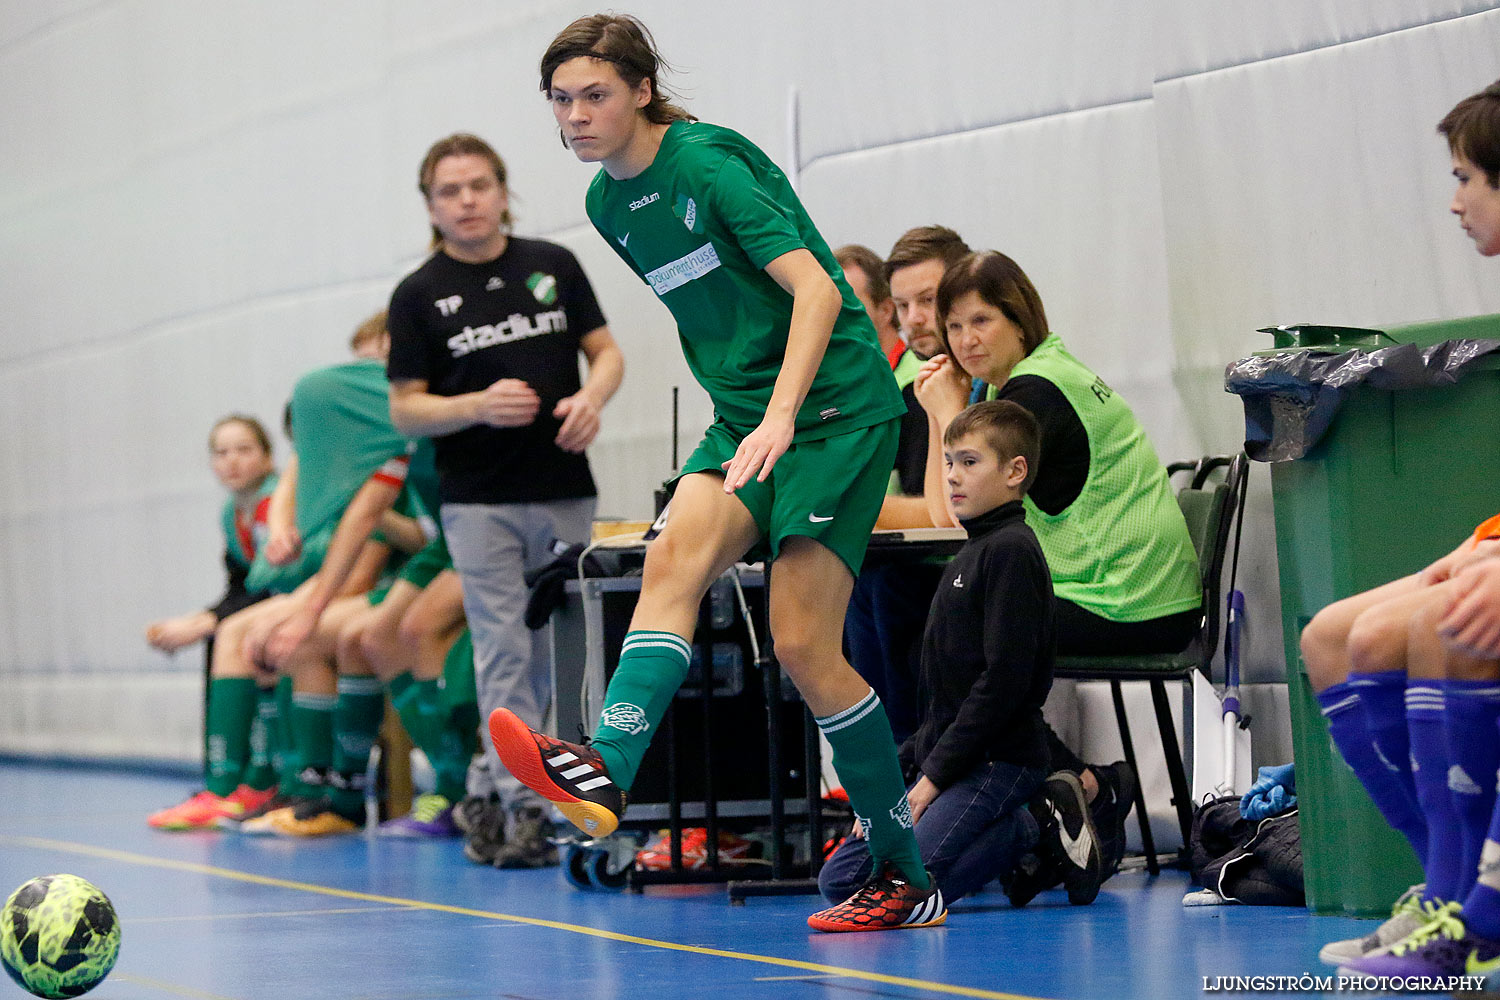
(59, 936)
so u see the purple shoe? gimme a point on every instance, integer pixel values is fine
(431, 816)
(1441, 948)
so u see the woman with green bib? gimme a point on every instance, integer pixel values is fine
(1123, 566)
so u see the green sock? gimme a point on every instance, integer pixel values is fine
(864, 755)
(356, 723)
(652, 667)
(260, 773)
(430, 723)
(231, 710)
(283, 740)
(312, 731)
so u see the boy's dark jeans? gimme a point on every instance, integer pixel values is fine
(972, 833)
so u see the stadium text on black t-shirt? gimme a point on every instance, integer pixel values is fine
(461, 327)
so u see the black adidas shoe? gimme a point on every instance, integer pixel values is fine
(568, 774)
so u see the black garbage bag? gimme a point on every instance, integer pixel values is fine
(1291, 398)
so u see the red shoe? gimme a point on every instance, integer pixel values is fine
(201, 812)
(252, 799)
(657, 855)
(570, 775)
(886, 902)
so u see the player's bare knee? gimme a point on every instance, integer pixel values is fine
(1377, 642)
(1323, 645)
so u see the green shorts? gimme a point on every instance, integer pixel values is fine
(423, 567)
(829, 489)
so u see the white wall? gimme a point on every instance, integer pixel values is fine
(198, 202)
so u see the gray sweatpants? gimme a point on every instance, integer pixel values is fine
(492, 546)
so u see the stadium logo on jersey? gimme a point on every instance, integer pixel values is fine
(687, 210)
(684, 269)
(544, 287)
(643, 202)
(625, 717)
(494, 284)
(512, 328)
(449, 305)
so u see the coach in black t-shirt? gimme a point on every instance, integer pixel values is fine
(485, 338)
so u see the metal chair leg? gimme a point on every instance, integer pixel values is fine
(1181, 796)
(1148, 842)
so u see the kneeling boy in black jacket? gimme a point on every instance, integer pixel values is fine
(980, 754)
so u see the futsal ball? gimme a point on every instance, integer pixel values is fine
(59, 936)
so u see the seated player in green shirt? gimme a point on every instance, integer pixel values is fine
(794, 466)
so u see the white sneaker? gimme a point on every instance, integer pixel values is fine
(1407, 915)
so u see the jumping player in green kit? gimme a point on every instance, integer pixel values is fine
(797, 459)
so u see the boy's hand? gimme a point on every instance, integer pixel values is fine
(283, 546)
(1472, 624)
(290, 634)
(759, 451)
(922, 795)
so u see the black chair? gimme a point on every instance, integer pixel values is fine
(1211, 511)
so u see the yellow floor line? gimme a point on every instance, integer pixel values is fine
(196, 918)
(229, 873)
(173, 988)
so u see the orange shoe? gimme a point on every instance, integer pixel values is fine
(201, 812)
(885, 902)
(571, 775)
(252, 799)
(314, 818)
(657, 855)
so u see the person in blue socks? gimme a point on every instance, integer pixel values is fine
(1414, 709)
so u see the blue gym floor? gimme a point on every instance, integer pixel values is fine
(213, 916)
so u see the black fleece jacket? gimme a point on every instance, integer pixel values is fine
(986, 654)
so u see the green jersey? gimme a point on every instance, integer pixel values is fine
(341, 426)
(245, 531)
(1121, 549)
(699, 225)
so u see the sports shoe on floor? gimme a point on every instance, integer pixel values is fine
(200, 812)
(1067, 848)
(570, 775)
(1441, 947)
(528, 842)
(657, 855)
(886, 902)
(483, 823)
(315, 818)
(1409, 913)
(1110, 809)
(237, 824)
(1033, 874)
(431, 817)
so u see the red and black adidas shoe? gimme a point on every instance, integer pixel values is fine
(884, 903)
(570, 775)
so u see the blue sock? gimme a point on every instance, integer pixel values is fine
(1482, 906)
(1350, 731)
(1429, 754)
(1473, 708)
(1382, 698)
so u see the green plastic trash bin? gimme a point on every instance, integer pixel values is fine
(1399, 479)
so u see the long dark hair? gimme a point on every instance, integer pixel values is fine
(626, 43)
